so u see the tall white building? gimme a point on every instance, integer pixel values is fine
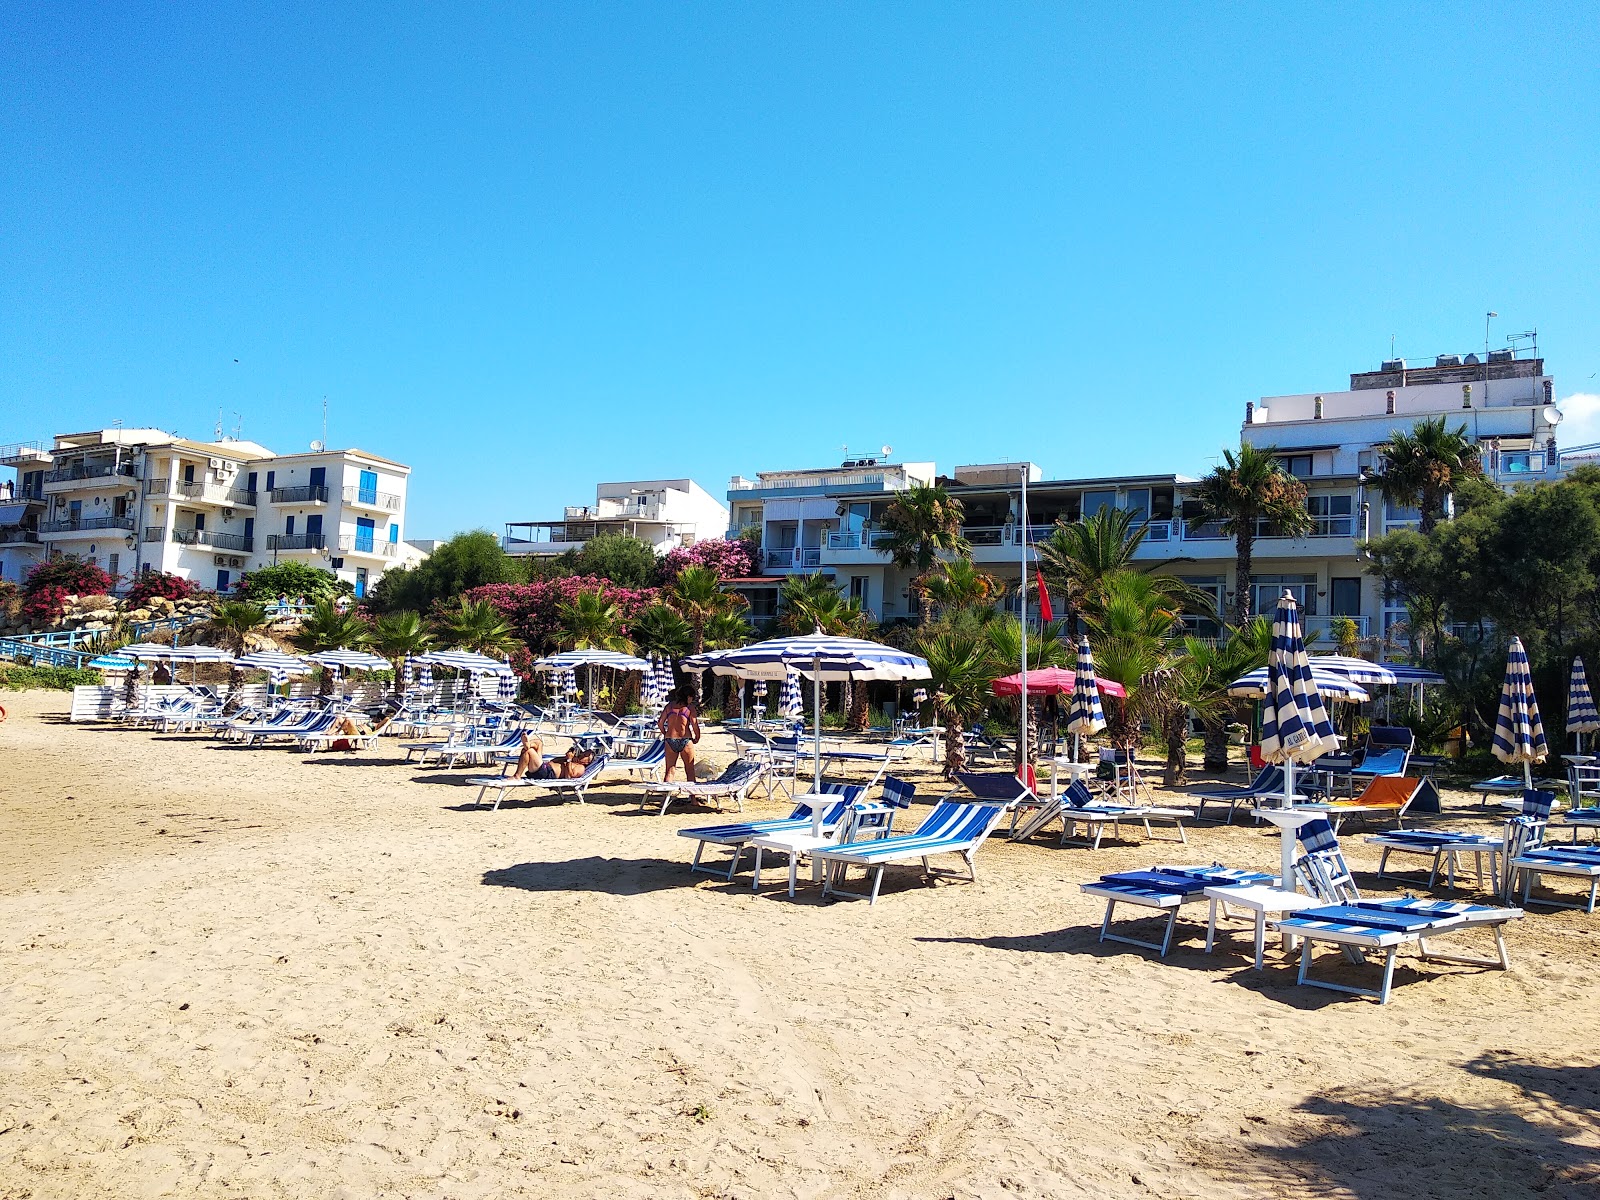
(667, 513)
(140, 500)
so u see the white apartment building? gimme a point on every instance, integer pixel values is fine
(142, 500)
(667, 513)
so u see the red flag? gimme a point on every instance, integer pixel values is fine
(1045, 612)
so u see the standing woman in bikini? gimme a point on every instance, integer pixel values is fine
(680, 730)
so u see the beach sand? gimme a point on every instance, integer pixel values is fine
(267, 974)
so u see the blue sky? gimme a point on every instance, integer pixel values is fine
(528, 248)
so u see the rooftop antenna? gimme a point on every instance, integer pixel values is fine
(324, 422)
(238, 426)
(1391, 347)
(217, 436)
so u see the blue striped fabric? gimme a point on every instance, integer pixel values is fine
(833, 658)
(462, 660)
(1294, 720)
(1085, 718)
(1356, 670)
(897, 792)
(949, 825)
(1329, 684)
(1318, 837)
(790, 702)
(1537, 804)
(797, 821)
(425, 675)
(1582, 716)
(1518, 731)
(650, 694)
(586, 658)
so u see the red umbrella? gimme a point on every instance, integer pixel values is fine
(1052, 681)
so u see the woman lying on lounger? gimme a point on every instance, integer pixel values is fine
(532, 763)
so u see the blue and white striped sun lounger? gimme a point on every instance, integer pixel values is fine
(1268, 784)
(737, 837)
(315, 723)
(953, 827)
(1165, 889)
(649, 762)
(738, 779)
(1578, 862)
(501, 784)
(1080, 806)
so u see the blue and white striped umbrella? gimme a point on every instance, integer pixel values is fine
(666, 677)
(425, 675)
(820, 657)
(349, 660)
(463, 660)
(614, 659)
(112, 662)
(408, 673)
(1295, 727)
(177, 654)
(508, 687)
(1257, 685)
(1085, 718)
(650, 688)
(569, 681)
(1356, 670)
(1582, 716)
(791, 703)
(1518, 731)
(274, 661)
(760, 689)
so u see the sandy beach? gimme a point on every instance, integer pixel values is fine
(261, 973)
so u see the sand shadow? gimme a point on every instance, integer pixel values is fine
(614, 876)
(339, 758)
(1379, 1142)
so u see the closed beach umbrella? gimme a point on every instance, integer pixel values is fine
(1085, 718)
(1582, 716)
(408, 674)
(1295, 727)
(1518, 731)
(791, 703)
(424, 674)
(508, 687)
(650, 688)
(823, 658)
(666, 678)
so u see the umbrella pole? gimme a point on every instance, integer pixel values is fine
(1527, 776)
(1286, 879)
(816, 747)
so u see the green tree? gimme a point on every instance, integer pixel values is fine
(591, 622)
(923, 522)
(236, 625)
(698, 596)
(1247, 490)
(959, 583)
(466, 561)
(961, 664)
(329, 629)
(296, 580)
(477, 625)
(1078, 555)
(661, 629)
(1208, 668)
(1424, 464)
(805, 602)
(1135, 635)
(624, 560)
(399, 636)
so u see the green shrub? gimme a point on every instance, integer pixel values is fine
(59, 679)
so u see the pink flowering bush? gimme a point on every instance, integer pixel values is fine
(729, 559)
(534, 609)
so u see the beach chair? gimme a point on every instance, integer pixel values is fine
(314, 723)
(501, 784)
(865, 822)
(1360, 926)
(1446, 847)
(358, 741)
(1079, 806)
(738, 779)
(736, 837)
(1164, 890)
(1528, 858)
(1384, 796)
(648, 763)
(1268, 784)
(952, 827)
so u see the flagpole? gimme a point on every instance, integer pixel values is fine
(1022, 705)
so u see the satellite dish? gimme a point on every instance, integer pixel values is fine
(317, 447)
(886, 451)
(1552, 415)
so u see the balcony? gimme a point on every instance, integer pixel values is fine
(90, 474)
(985, 535)
(870, 539)
(215, 493)
(361, 497)
(85, 525)
(19, 537)
(807, 557)
(350, 543)
(208, 537)
(1324, 626)
(280, 542)
(309, 494)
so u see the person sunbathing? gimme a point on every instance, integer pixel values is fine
(348, 728)
(531, 763)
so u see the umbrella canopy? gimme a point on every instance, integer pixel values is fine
(666, 678)
(592, 658)
(791, 703)
(508, 687)
(1295, 727)
(196, 654)
(1257, 685)
(1086, 719)
(349, 660)
(1408, 676)
(1051, 681)
(424, 674)
(1356, 670)
(1518, 731)
(462, 660)
(1582, 716)
(273, 660)
(818, 656)
(112, 662)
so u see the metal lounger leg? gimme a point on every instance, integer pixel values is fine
(755, 879)
(877, 882)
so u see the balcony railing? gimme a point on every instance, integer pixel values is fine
(85, 524)
(216, 494)
(985, 535)
(372, 498)
(88, 471)
(353, 543)
(308, 494)
(297, 541)
(158, 487)
(210, 537)
(793, 556)
(1324, 626)
(16, 537)
(152, 533)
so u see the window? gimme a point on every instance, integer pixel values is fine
(288, 526)
(394, 533)
(313, 529)
(1265, 591)
(1139, 504)
(1093, 502)
(319, 477)
(250, 482)
(1344, 597)
(1331, 515)
(223, 580)
(1298, 465)
(361, 582)
(858, 588)
(336, 563)
(364, 529)
(367, 492)
(199, 522)
(271, 478)
(113, 564)
(188, 473)
(1400, 516)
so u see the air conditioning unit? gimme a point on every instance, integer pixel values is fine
(216, 464)
(235, 562)
(227, 514)
(219, 560)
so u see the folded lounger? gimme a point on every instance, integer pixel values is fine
(1359, 926)
(738, 779)
(501, 784)
(1165, 889)
(1079, 805)
(1447, 846)
(952, 827)
(737, 837)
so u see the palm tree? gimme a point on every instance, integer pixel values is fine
(1247, 490)
(591, 622)
(661, 629)
(478, 626)
(1079, 554)
(923, 522)
(1046, 648)
(329, 629)
(398, 636)
(698, 597)
(1135, 634)
(960, 584)
(806, 602)
(724, 631)
(235, 624)
(1208, 668)
(962, 666)
(1423, 465)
